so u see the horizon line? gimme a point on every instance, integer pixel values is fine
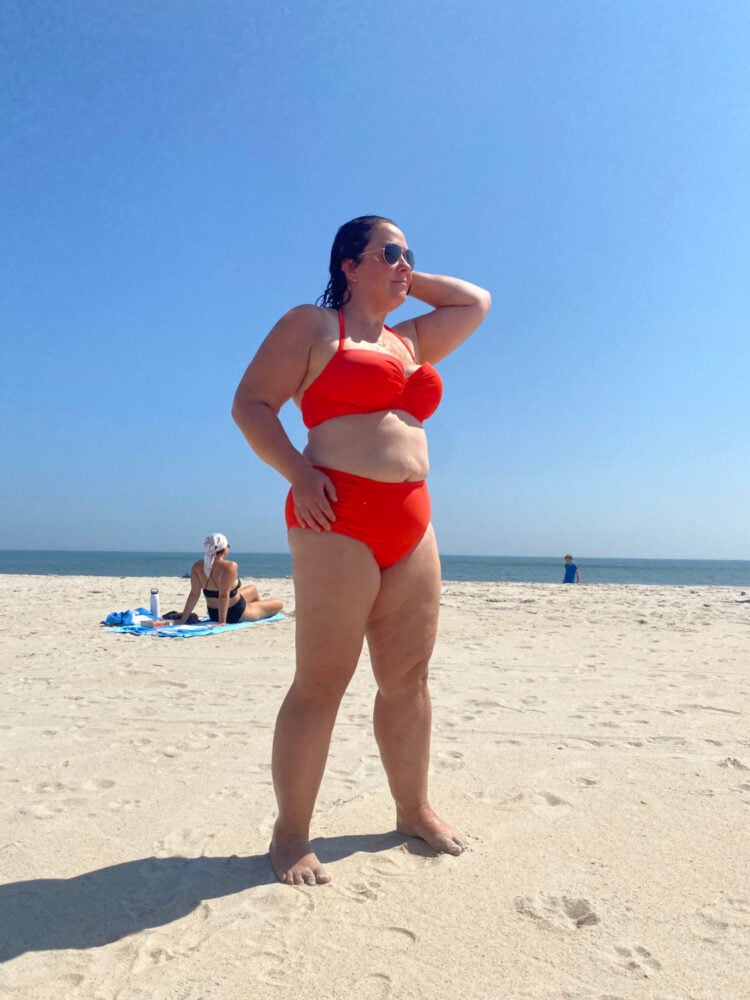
(452, 555)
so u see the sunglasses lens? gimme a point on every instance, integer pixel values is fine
(392, 255)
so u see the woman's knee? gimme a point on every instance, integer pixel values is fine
(403, 680)
(319, 692)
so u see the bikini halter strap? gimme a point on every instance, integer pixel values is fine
(342, 336)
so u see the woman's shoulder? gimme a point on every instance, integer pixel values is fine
(309, 312)
(306, 320)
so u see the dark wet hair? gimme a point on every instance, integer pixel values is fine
(350, 241)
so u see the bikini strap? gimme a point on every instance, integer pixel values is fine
(342, 336)
(405, 342)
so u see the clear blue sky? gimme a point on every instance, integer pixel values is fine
(173, 173)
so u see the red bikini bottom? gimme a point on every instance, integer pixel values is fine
(390, 518)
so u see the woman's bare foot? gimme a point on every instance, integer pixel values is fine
(295, 863)
(430, 828)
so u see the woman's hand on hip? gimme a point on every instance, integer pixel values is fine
(313, 493)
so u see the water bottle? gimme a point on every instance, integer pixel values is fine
(155, 602)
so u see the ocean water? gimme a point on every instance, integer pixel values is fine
(510, 569)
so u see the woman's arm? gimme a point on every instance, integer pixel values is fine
(270, 380)
(274, 376)
(459, 308)
(193, 596)
(223, 605)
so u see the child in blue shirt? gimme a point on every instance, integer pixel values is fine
(571, 571)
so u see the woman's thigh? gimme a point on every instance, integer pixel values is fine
(250, 593)
(402, 627)
(336, 583)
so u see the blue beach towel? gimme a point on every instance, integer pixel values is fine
(131, 617)
(133, 623)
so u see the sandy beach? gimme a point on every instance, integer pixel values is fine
(592, 742)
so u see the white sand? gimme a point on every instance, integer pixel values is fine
(592, 742)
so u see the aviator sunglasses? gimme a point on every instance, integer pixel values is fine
(392, 254)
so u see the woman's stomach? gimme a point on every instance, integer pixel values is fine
(390, 446)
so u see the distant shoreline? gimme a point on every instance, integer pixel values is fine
(498, 569)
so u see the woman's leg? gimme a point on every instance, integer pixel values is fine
(336, 581)
(401, 634)
(261, 609)
(250, 593)
(256, 608)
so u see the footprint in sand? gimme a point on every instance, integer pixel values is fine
(450, 760)
(734, 763)
(362, 892)
(636, 960)
(563, 912)
(400, 862)
(394, 937)
(122, 805)
(46, 787)
(98, 785)
(720, 921)
(65, 984)
(182, 843)
(41, 811)
(549, 805)
(375, 986)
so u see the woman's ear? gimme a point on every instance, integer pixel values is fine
(349, 269)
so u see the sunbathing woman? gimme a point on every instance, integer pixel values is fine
(227, 600)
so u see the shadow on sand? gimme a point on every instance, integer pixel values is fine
(103, 906)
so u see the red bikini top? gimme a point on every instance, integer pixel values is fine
(363, 381)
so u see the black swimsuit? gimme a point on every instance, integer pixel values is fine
(234, 611)
(215, 593)
(234, 614)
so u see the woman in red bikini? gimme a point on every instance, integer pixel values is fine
(365, 561)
